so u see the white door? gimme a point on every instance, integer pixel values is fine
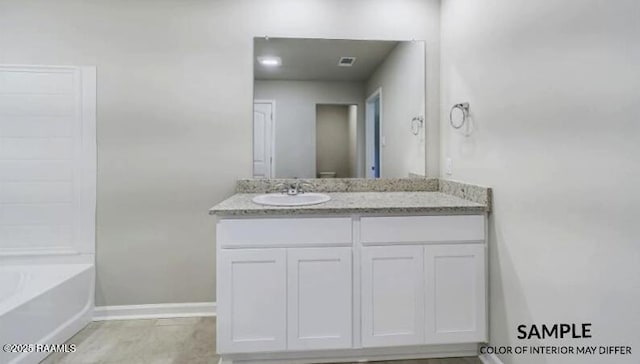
(455, 299)
(392, 296)
(263, 137)
(319, 298)
(252, 300)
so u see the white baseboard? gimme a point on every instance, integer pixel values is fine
(490, 359)
(363, 355)
(164, 310)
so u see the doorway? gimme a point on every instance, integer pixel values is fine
(373, 131)
(264, 138)
(336, 141)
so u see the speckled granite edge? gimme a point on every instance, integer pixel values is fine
(475, 193)
(425, 202)
(288, 211)
(342, 185)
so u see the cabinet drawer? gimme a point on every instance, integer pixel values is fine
(243, 233)
(421, 229)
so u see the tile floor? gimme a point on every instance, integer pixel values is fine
(163, 341)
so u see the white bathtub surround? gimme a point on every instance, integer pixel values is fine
(47, 161)
(154, 311)
(47, 204)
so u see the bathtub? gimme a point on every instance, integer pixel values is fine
(43, 304)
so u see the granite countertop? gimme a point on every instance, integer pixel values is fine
(397, 202)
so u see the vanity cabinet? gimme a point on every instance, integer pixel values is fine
(312, 284)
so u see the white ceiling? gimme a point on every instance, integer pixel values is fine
(317, 59)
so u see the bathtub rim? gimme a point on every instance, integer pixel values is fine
(6, 308)
(72, 325)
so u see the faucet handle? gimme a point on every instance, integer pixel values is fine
(282, 187)
(303, 185)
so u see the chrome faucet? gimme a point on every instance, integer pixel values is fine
(294, 188)
(301, 186)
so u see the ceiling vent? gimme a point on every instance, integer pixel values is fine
(346, 61)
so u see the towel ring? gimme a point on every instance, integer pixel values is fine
(464, 107)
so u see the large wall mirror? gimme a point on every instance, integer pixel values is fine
(328, 108)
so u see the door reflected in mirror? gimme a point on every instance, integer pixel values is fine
(327, 108)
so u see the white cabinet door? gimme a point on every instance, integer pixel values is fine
(319, 298)
(392, 296)
(455, 293)
(252, 300)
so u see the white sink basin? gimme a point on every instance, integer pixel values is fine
(301, 199)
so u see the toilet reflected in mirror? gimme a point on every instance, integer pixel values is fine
(329, 108)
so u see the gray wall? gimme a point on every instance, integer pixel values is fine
(554, 88)
(295, 115)
(332, 140)
(402, 80)
(175, 114)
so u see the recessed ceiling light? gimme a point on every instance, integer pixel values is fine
(270, 61)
